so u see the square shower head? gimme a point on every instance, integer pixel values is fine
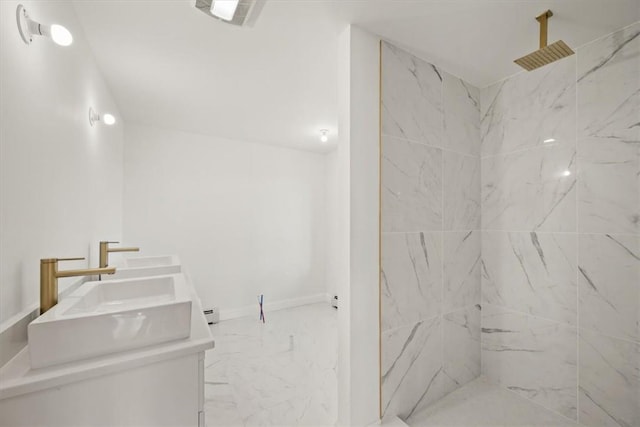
(544, 56)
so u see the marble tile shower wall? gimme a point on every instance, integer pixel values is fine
(561, 233)
(430, 232)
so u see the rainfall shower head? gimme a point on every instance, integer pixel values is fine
(546, 54)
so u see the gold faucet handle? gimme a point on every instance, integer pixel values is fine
(108, 242)
(70, 259)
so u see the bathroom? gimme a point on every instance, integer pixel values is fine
(478, 222)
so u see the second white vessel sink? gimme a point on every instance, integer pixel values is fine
(151, 261)
(145, 267)
(111, 316)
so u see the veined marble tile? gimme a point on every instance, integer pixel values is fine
(532, 357)
(609, 86)
(411, 277)
(461, 115)
(609, 139)
(482, 404)
(411, 186)
(609, 185)
(279, 373)
(609, 284)
(529, 108)
(461, 333)
(530, 190)
(609, 393)
(411, 97)
(220, 406)
(461, 192)
(462, 265)
(531, 272)
(411, 367)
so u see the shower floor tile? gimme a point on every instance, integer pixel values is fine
(481, 404)
(281, 373)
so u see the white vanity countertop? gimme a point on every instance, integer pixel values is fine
(17, 377)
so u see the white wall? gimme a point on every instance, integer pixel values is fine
(358, 246)
(245, 218)
(60, 179)
(332, 191)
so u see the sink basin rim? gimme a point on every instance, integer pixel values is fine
(60, 310)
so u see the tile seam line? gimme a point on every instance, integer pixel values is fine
(524, 150)
(577, 239)
(431, 231)
(442, 222)
(524, 314)
(494, 230)
(626, 340)
(577, 328)
(412, 323)
(415, 141)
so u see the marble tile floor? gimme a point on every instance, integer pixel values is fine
(281, 373)
(482, 404)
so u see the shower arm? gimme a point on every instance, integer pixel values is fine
(543, 19)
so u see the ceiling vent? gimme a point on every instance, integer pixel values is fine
(242, 13)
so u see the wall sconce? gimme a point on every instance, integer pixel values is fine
(29, 28)
(106, 118)
(324, 135)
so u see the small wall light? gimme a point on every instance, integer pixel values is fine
(29, 28)
(324, 135)
(94, 117)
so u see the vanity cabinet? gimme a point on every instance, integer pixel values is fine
(164, 393)
(159, 385)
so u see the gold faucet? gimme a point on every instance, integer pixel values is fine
(49, 275)
(105, 250)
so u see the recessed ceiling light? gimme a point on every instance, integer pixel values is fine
(546, 141)
(241, 13)
(566, 173)
(224, 9)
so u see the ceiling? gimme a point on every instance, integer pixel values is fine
(169, 65)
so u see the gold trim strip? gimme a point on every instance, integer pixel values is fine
(380, 228)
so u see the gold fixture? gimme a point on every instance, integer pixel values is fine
(105, 250)
(546, 54)
(49, 275)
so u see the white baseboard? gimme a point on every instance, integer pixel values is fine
(252, 310)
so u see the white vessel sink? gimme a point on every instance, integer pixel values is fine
(111, 316)
(145, 267)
